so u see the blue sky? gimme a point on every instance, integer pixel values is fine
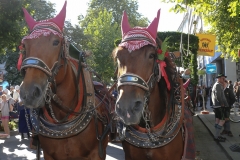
(169, 21)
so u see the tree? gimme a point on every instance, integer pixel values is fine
(13, 28)
(223, 17)
(102, 26)
(75, 35)
(13, 76)
(10, 24)
(40, 9)
(116, 7)
(103, 33)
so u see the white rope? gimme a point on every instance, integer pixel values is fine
(189, 24)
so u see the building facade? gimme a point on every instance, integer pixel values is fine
(226, 66)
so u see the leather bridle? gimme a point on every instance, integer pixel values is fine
(35, 62)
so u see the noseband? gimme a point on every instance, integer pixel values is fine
(135, 80)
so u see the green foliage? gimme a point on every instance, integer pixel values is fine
(10, 24)
(117, 42)
(103, 33)
(12, 126)
(102, 26)
(13, 76)
(116, 7)
(75, 35)
(13, 28)
(164, 47)
(222, 16)
(201, 72)
(193, 67)
(191, 56)
(40, 9)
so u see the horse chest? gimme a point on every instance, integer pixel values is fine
(149, 155)
(66, 147)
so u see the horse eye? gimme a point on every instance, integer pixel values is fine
(152, 56)
(56, 42)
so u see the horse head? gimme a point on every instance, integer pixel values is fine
(43, 50)
(140, 72)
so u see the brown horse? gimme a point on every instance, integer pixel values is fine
(150, 104)
(70, 119)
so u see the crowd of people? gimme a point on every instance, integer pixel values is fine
(9, 101)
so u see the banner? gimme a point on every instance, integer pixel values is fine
(206, 44)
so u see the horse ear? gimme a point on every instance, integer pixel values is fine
(125, 25)
(28, 18)
(60, 18)
(152, 28)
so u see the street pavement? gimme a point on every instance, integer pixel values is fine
(209, 122)
(207, 149)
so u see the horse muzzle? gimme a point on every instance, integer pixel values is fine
(32, 96)
(130, 112)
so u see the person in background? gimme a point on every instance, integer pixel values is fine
(6, 91)
(11, 90)
(204, 94)
(210, 95)
(1, 90)
(230, 99)
(5, 108)
(219, 104)
(24, 124)
(16, 95)
(236, 90)
(230, 85)
(200, 98)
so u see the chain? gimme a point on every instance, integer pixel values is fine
(48, 101)
(27, 119)
(147, 117)
(48, 93)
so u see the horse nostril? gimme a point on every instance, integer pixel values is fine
(137, 106)
(36, 92)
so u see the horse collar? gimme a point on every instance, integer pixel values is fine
(70, 128)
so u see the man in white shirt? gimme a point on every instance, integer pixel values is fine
(16, 94)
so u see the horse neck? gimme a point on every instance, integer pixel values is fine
(156, 105)
(67, 87)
